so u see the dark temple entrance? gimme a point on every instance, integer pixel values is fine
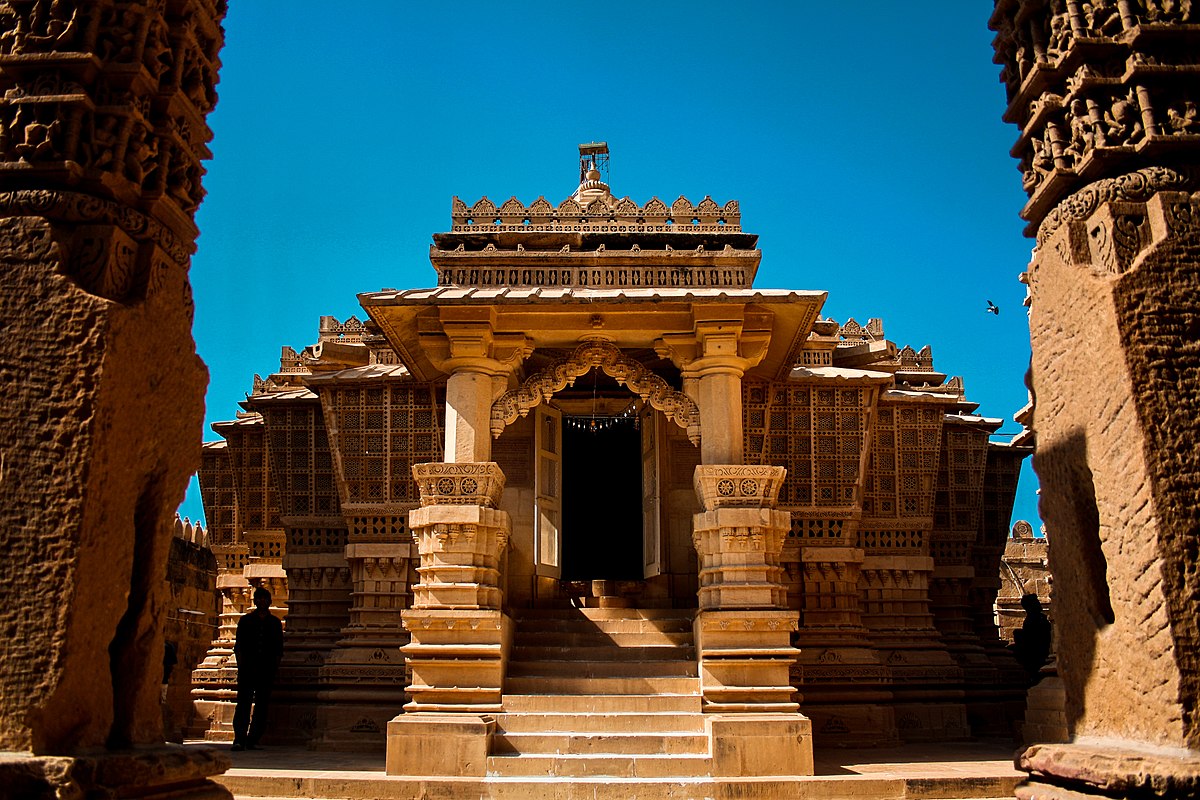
(602, 501)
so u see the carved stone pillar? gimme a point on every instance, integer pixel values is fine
(102, 131)
(743, 631)
(459, 636)
(1114, 282)
(478, 360)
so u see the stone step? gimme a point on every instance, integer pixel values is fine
(607, 722)
(525, 638)
(604, 626)
(625, 766)
(605, 613)
(604, 652)
(687, 702)
(602, 669)
(563, 684)
(600, 744)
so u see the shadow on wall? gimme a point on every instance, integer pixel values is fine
(1082, 607)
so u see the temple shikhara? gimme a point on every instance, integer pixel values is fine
(594, 503)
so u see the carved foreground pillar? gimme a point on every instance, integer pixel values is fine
(460, 638)
(102, 131)
(1109, 145)
(1118, 469)
(743, 630)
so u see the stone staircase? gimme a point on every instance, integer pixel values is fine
(601, 692)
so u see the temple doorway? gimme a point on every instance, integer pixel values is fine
(602, 499)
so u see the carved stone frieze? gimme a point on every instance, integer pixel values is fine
(1138, 187)
(604, 214)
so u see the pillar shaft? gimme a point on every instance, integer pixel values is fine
(719, 392)
(468, 417)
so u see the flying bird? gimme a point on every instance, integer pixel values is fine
(993, 308)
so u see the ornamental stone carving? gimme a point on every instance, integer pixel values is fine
(541, 386)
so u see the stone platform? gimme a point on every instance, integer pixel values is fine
(952, 771)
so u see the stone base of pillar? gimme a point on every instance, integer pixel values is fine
(152, 773)
(753, 745)
(457, 659)
(746, 659)
(215, 707)
(1079, 771)
(439, 744)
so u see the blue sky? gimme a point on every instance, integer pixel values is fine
(863, 141)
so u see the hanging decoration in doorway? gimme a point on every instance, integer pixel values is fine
(595, 422)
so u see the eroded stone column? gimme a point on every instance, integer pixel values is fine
(102, 131)
(460, 637)
(1115, 375)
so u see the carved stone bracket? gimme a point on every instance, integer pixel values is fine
(542, 385)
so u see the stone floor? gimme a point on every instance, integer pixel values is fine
(952, 771)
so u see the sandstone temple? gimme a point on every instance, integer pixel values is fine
(595, 468)
(593, 507)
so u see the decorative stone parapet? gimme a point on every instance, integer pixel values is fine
(606, 214)
(739, 537)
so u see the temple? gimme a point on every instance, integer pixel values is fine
(595, 501)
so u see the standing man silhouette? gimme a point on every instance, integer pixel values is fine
(258, 648)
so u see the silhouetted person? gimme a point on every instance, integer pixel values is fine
(258, 648)
(1031, 642)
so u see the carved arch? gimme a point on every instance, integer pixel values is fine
(542, 385)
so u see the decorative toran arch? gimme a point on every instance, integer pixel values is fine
(542, 385)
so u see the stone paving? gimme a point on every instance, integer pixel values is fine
(943, 771)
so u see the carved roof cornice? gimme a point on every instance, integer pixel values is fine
(605, 214)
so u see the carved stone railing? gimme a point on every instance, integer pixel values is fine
(609, 214)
